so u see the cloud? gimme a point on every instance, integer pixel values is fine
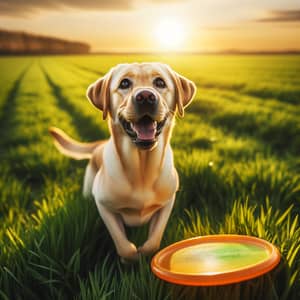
(281, 16)
(28, 7)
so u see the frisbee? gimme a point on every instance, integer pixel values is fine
(215, 260)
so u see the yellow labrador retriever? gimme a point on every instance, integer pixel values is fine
(132, 175)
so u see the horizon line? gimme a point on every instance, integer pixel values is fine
(198, 52)
(170, 53)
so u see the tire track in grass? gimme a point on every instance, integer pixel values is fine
(9, 72)
(281, 136)
(239, 144)
(25, 261)
(32, 169)
(82, 72)
(53, 248)
(99, 73)
(26, 243)
(18, 124)
(235, 97)
(15, 193)
(8, 202)
(287, 96)
(8, 107)
(83, 124)
(278, 130)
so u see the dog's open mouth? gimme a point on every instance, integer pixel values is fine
(144, 132)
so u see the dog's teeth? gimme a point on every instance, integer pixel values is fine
(155, 124)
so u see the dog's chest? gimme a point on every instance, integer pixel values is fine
(139, 196)
(137, 207)
(135, 203)
(139, 186)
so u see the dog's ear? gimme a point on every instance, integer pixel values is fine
(99, 94)
(185, 91)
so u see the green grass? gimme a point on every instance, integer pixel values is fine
(237, 152)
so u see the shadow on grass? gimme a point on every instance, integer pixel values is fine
(202, 107)
(85, 126)
(202, 143)
(291, 97)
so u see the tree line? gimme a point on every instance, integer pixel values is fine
(17, 42)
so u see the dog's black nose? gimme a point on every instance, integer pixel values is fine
(145, 96)
(145, 102)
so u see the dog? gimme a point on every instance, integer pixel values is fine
(131, 176)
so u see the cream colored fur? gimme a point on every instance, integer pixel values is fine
(131, 186)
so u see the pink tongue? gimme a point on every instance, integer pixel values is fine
(145, 130)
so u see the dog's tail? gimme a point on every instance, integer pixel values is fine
(70, 147)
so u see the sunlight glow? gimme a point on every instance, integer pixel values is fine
(170, 33)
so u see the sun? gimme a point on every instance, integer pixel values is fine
(170, 34)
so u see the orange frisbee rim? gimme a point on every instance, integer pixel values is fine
(249, 272)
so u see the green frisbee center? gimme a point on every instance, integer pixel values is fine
(215, 258)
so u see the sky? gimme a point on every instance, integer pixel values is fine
(166, 25)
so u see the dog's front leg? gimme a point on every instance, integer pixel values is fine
(157, 227)
(115, 226)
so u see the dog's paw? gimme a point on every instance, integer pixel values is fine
(149, 247)
(128, 252)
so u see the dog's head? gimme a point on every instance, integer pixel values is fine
(142, 98)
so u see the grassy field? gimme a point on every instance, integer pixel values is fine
(237, 152)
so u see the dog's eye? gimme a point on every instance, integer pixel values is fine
(125, 84)
(160, 83)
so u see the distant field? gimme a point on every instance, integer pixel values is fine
(237, 152)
